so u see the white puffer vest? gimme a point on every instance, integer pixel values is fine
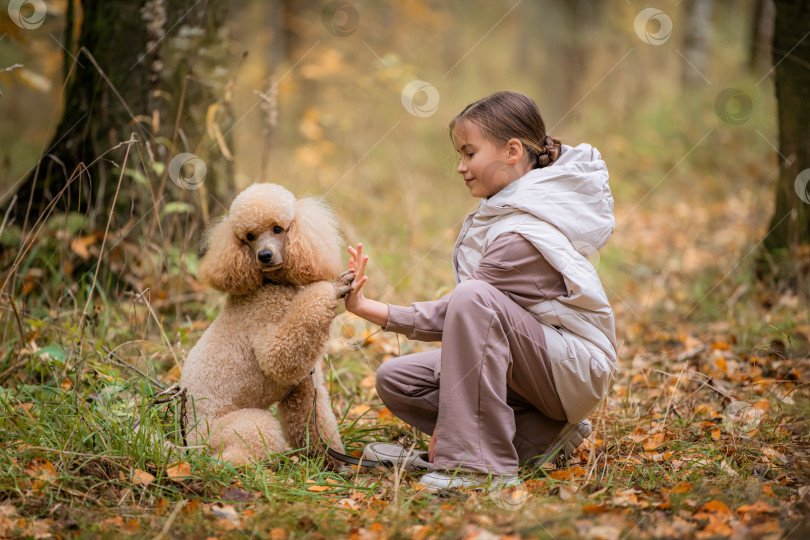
(566, 211)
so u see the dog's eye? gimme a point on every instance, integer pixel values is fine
(278, 230)
(250, 237)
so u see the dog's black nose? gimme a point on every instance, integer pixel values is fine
(265, 255)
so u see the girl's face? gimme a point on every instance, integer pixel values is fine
(485, 166)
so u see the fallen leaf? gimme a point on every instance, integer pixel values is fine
(754, 511)
(682, 487)
(317, 489)
(278, 534)
(225, 511)
(654, 441)
(638, 435)
(359, 410)
(713, 510)
(179, 471)
(774, 454)
(142, 478)
(594, 509)
(567, 474)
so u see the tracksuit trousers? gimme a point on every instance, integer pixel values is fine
(489, 388)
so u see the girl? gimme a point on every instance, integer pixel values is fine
(528, 338)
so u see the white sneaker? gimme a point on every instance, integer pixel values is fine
(437, 480)
(567, 441)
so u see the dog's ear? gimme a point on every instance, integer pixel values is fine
(227, 264)
(313, 247)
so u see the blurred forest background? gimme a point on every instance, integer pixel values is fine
(351, 101)
(293, 93)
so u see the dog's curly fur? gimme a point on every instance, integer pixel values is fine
(275, 257)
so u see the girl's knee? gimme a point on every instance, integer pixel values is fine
(385, 381)
(471, 294)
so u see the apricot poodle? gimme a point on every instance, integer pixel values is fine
(276, 257)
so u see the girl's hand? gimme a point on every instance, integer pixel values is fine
(355, 298)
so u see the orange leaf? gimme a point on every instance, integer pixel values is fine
(594, 509)
(359, 410)
(757, 508)
(536, 485)
(567, 474)
(179, 471)
(682, 487)
(639, 434)
(654, 441)
(278, 534)
(317, 489)
(713, 510)
(142, 478)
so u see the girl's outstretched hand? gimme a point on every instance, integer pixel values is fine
(357, 263)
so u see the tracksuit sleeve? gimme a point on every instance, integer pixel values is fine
(511, 264)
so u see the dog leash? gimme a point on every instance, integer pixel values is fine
(351, 460)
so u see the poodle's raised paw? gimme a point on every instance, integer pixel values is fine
(343, 283)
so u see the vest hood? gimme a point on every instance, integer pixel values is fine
(572, 194)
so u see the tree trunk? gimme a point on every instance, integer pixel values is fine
(697, 35)
(786, 254)
(759, 59)
(145, 50)
(94, 119)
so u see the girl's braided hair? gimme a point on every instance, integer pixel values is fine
(506, 115)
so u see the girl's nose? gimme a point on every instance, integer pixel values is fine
(462, 168)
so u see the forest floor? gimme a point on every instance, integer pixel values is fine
(704, 435)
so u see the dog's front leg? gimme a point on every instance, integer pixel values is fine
(308, 431)
(287, 351)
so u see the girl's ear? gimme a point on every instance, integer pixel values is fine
(228, 264)
(313, 248)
